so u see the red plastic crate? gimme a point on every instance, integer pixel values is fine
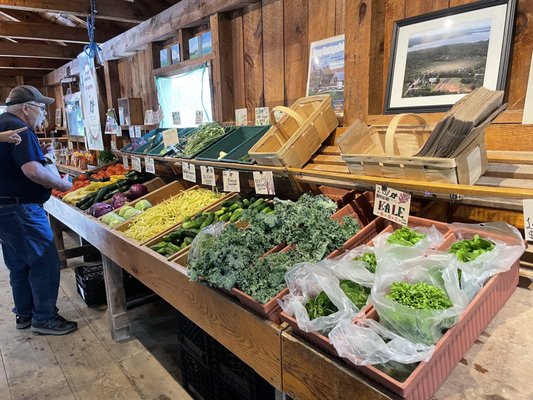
(425, 380)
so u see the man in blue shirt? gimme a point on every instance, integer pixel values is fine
(27, 239)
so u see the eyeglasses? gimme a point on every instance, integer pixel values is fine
(43, 108)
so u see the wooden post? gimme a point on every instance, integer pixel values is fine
(116, 301)
(57, 229)
(112, 91)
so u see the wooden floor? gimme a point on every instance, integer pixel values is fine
(87, 364)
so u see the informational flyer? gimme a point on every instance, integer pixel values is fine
(89, 102)
(326, 70)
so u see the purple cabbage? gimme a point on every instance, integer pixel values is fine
(118, 200)
(136, 190)
(99, 209)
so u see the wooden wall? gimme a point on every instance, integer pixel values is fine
(269, 52)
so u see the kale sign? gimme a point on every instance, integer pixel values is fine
(392, 204)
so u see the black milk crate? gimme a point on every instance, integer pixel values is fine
(133, 288)
(234, 379)
(90, 284)
(193, 338)
(196, 377)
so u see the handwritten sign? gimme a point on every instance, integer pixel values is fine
(170, 137)
(125, 162)
(149, 165)
(176, 118)
(188, 171)
(241, 117)
(262, 116)
(264, 182)
(392, 204)
(199, 117)
(138, 132)
(208, 175)
(131, 131)
(528, 219)
(231, 181)
(136, 164)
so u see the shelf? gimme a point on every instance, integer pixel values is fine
(74, 171)
(60, 128)
(148, 126)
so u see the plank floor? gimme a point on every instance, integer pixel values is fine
(87, 364)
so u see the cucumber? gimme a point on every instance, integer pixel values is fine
(236, 215)
(246, 203)
(208, 221)
(173, 247)
(188, 240)
(195, 223)
(190, 233)
(219, 213)
(256, 204)
(234, 206)
(176, 235)
(225, 217)
(158, 246)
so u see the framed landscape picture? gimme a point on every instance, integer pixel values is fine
(438, 58)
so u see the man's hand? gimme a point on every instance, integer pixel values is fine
(64, 183)
(46, 147)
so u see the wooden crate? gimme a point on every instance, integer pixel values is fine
(387, 151)
(298, 135)
(132, 111)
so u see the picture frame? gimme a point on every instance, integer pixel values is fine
(194, 47)
(438, 58)
(206, 42)
(175, 53)
(164, 58)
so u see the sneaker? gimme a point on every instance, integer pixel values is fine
(57, 326)
(23, 322)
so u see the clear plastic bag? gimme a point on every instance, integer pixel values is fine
(307, 280)
(396, 253)
(369, 342)
(418, 325)
(509, 247)
(208, 233)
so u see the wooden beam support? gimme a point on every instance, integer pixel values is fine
(39, 50)
(54, 77)
(37, 31)
(117, 10)
(29, 63)
(164, 25)
(27, 72)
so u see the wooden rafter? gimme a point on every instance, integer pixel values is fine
(30, 63)
(37, 31)
(118, 10)
(39, 50)
(25, 72)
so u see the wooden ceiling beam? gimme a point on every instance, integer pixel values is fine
(164, 25)
(117, 10)
(39, 50)
(37, 31)
(23, 72)
(30, 63)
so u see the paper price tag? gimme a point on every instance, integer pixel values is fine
(528, 219)
(170, 137)
(136, 164)
(113, 145)
(149, 165)
(231, 181)
(208, 175)
(137, 131)
(264, 182)
(125, 162)
(392, 204)
(176, 118)
(199, 117)
(131, 131)
(241, 117)
(262, 116)
(70, 145)
(188, 171)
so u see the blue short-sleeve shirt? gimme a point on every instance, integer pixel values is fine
(13, 182)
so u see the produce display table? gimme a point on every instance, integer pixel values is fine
(256, 341)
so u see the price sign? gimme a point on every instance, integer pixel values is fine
(137, 131)
(170, 137)
(199, 117)
(70, 145)
(131, 131)
(231, 181)
(125, 162)
(241, 117)
(149, 165)
(208, 175)
(392, 204)
(176, 118)
(264, 182)
(136, 164)
(528, 219)
(189, 172)
(113, 145)
(262, 116)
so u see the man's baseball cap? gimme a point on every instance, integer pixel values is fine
(25, 93)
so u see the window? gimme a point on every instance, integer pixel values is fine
(182, 96)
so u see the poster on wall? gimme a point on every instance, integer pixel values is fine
(89, 90)
(326, 70)
(74, 114)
